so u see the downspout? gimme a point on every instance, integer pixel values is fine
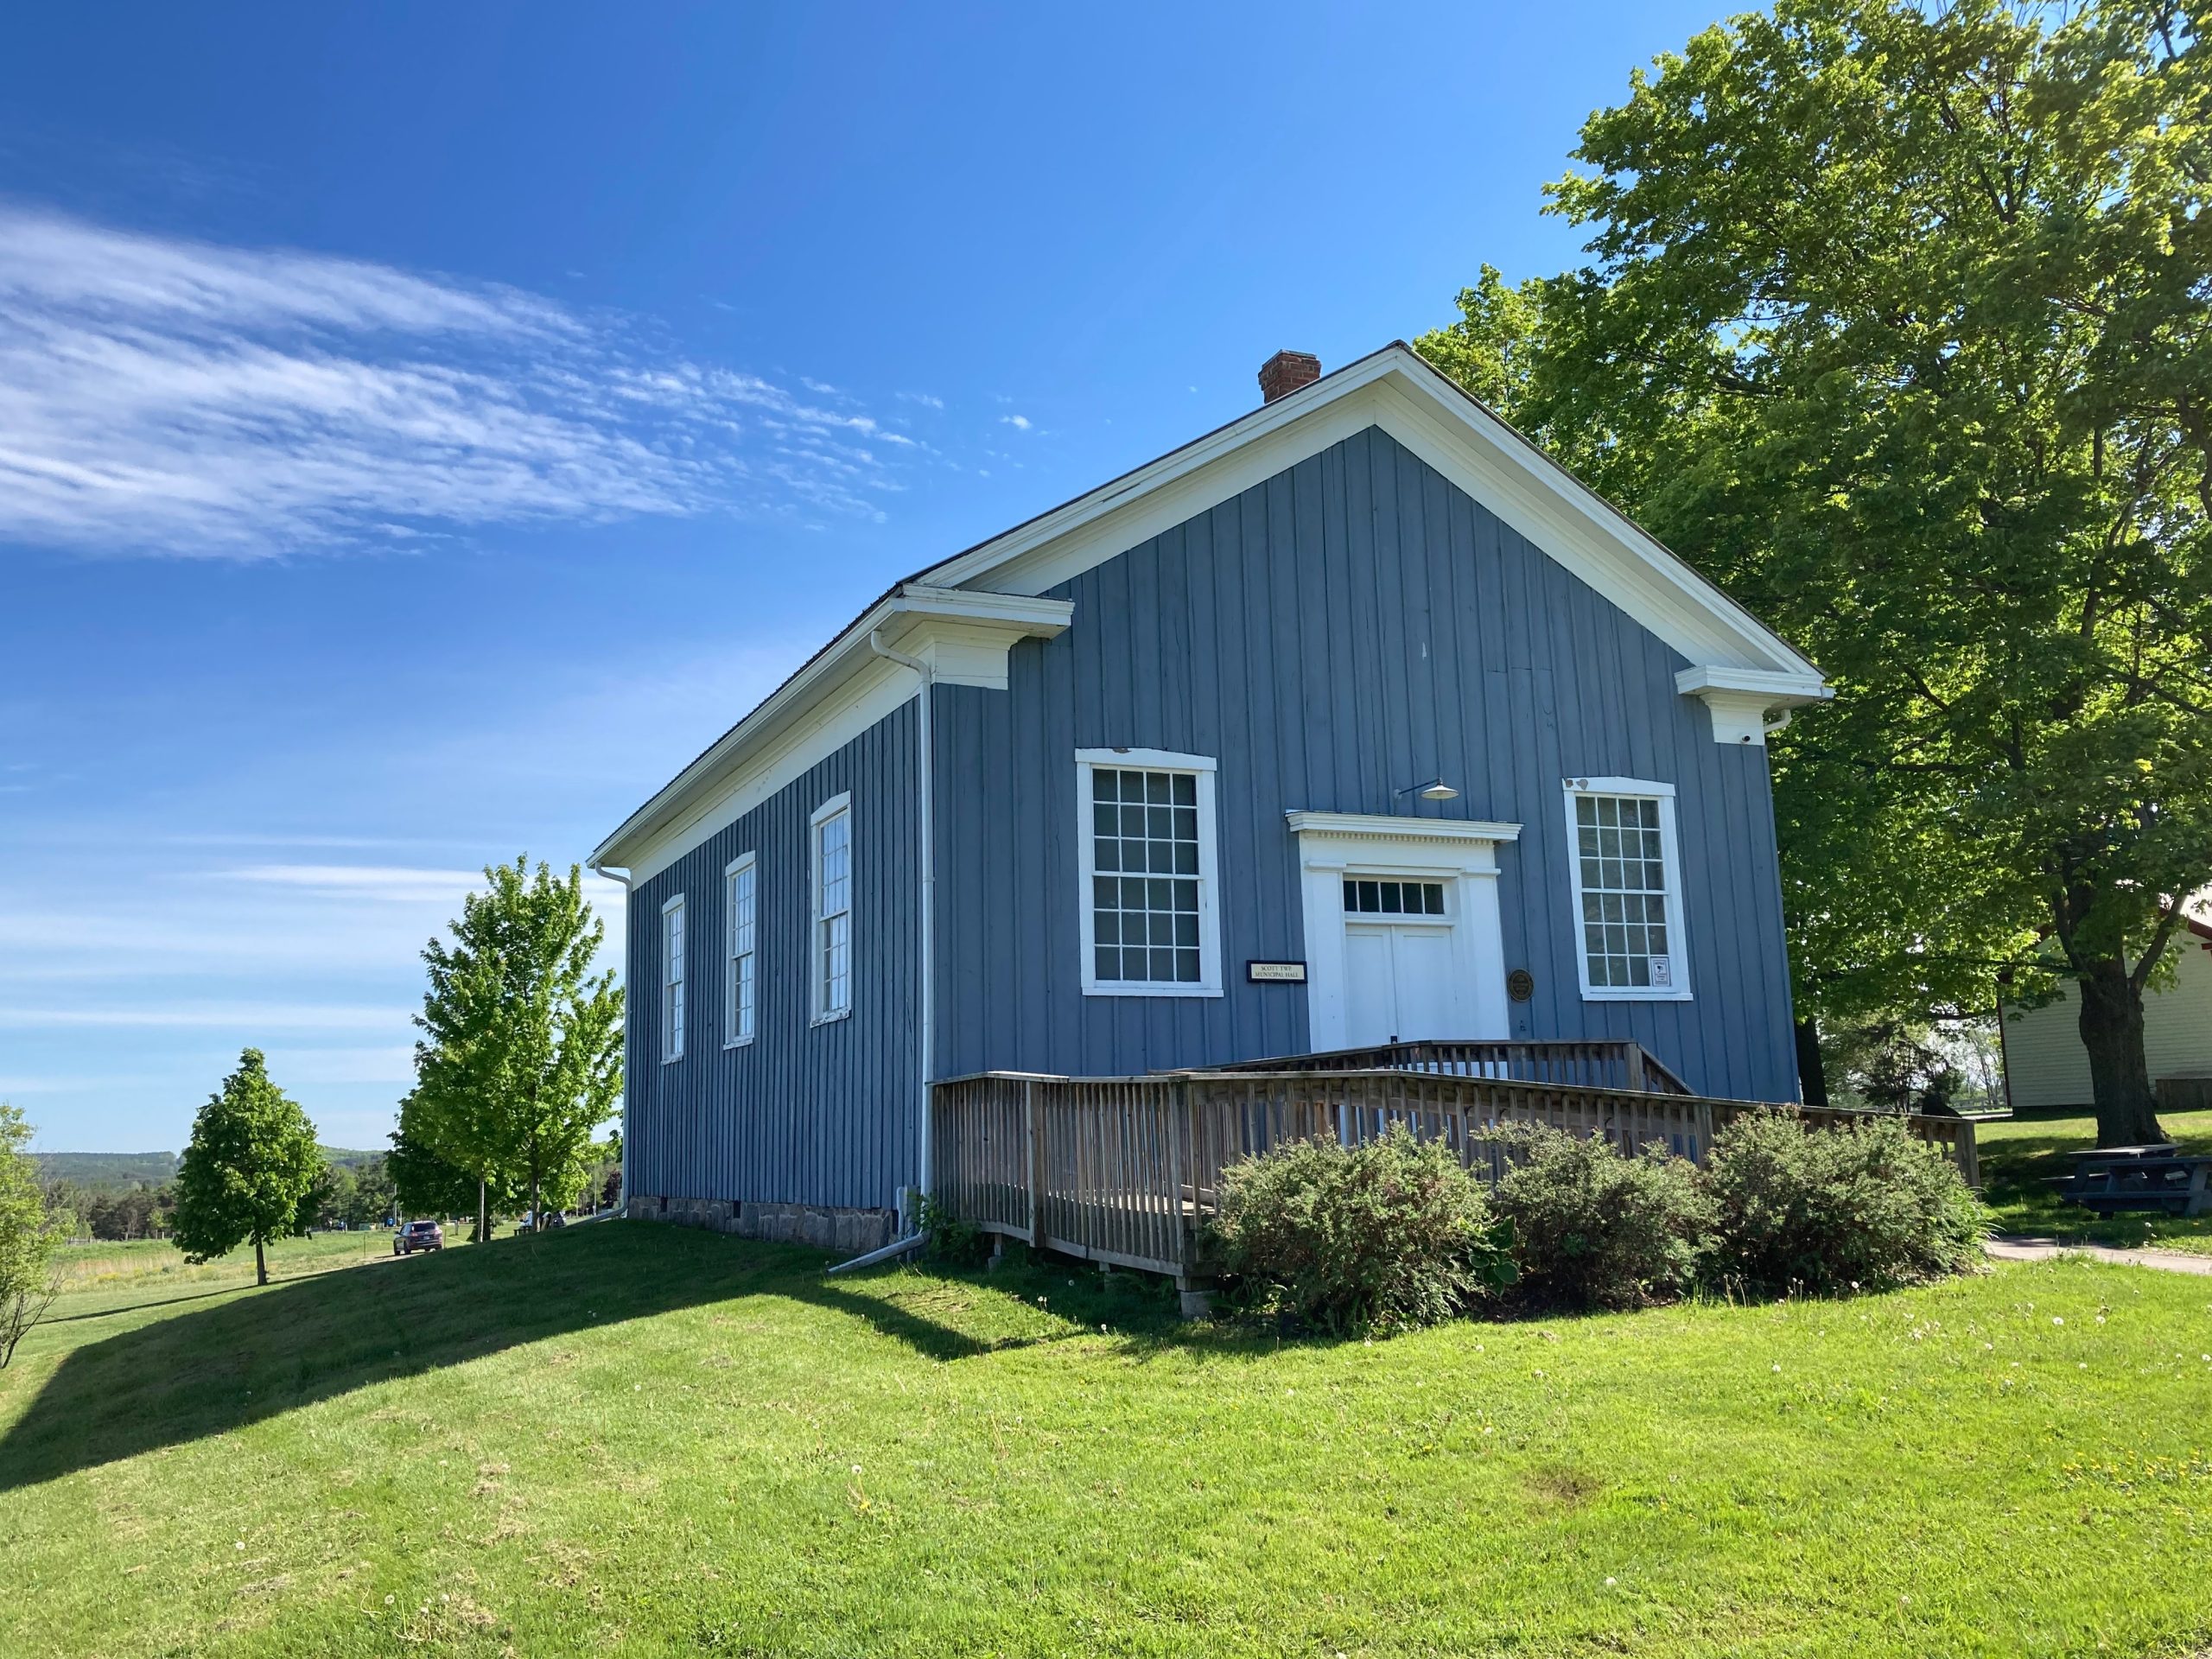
(623, 878)
(926, 768)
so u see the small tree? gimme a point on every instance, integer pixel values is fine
(253, 1160)
(521, 1055)
(28, 1235)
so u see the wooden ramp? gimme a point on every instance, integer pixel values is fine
(1124, 1170)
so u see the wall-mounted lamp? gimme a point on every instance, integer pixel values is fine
(1435, 789)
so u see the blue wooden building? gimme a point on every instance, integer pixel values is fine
(1357, 719)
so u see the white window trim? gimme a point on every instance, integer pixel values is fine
(829, 809)
(731, 1039)
(1202, 768)
(672, 1032)
(1677, 902)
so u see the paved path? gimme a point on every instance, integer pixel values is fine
(2026, 1247)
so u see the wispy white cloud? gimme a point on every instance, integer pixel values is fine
(926, 399)
(1020, 423)
(391, 883)
(164, 396)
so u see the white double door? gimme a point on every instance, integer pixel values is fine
(1400, 982)
(1402, 929)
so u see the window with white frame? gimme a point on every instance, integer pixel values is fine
(1148, 903)
(1628, 888)
(740, 930)
(671, 979)
(833, 909)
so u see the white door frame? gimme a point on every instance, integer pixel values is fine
(1331, 845)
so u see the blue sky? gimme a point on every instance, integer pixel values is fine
(423, 428)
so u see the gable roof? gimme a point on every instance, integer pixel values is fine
(1394, 389)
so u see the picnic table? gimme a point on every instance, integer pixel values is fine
(2155, 1176)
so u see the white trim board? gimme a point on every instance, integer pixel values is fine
(1463, 439)
(845, 689)
(962, 614)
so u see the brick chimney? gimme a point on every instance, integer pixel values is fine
(1286, 372)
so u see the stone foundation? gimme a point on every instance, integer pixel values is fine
(849, 1232)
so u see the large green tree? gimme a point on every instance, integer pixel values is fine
(252, 1160)
(520, 1059)
(1898, 325)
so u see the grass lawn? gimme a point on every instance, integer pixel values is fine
(2020, 1156)
(635, 1437)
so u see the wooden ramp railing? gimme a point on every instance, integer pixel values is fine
(1606, 1064)
(1124, 1170)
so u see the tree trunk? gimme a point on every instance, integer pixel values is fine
(2120, 1076)
(260, 1262)
(483, 1212)
(1812, 1073)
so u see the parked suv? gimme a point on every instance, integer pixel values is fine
(418, 1236)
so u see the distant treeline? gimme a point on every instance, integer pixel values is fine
(106, 1171)
(120, 1172)
(88, 1191)
(136, 1212)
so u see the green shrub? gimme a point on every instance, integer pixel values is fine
(1388, 1236)
(947, 1239)
(1594, 1228)
(1865, 1206)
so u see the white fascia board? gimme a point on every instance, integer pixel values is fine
(1117, 517)
(1782, 690)
(1379, 826)
(842, 692)
(1393, 388)
(1580, 530)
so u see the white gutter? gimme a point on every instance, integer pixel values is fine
(623, 879)
(926, 769)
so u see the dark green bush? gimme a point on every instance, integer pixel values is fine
(1594, 1228)
(1388, 1236)
(1867, 1206)
(947, 1239)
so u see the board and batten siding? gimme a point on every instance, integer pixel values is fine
(1353, 626)
(2046, 1065)
(822, 1115)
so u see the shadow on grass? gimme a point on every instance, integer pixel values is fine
(262, 1353)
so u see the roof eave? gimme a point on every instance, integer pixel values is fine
(818, 677)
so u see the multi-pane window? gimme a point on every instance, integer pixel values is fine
(1370, 896)
(740, 925)
(671, 979)
(833, 909)
(1628, 922)
(1144, 897)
